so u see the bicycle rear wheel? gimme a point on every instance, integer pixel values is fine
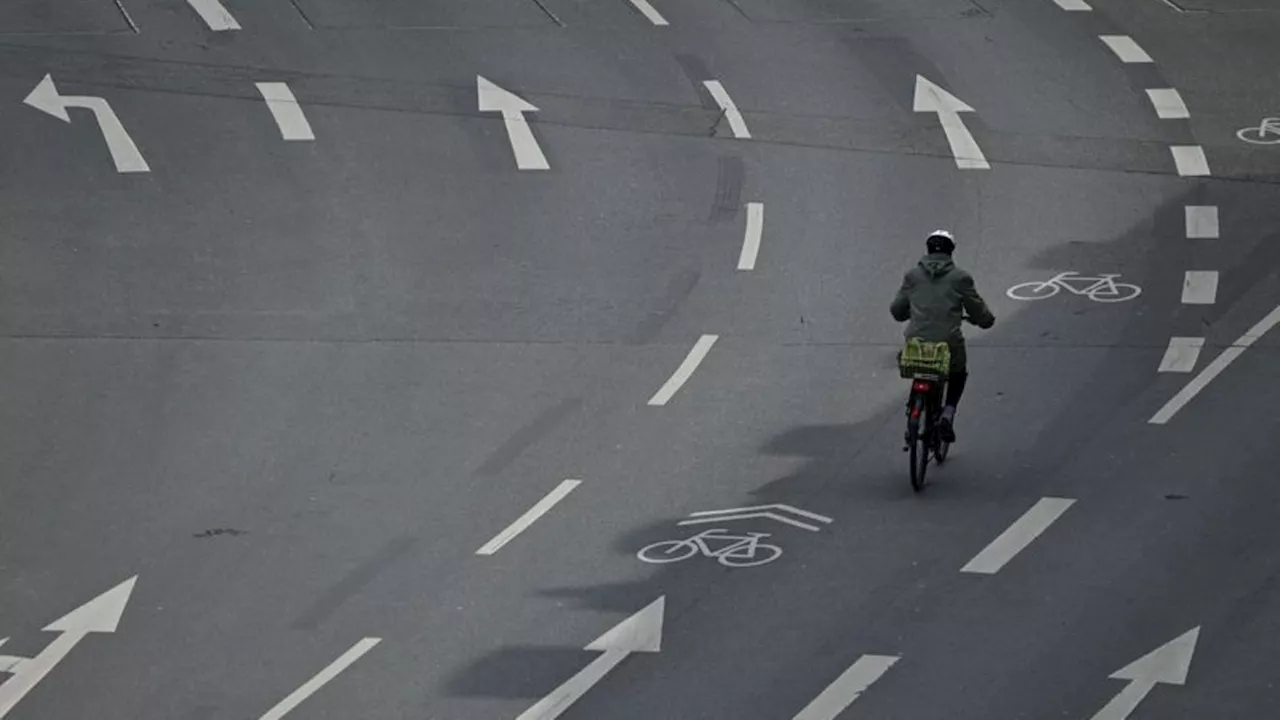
(916, 441)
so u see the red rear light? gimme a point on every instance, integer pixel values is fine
(921, 386)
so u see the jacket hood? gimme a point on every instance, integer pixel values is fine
(936, 265)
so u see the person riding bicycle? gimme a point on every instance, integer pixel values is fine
(934, 298)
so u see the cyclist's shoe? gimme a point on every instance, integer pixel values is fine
(946, 430)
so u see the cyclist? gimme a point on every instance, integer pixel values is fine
(935, 296)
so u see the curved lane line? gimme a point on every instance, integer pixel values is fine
(682, 373)
(751, 239)
(736, 123)
(1215, 368)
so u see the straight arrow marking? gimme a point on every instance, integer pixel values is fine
(847, 688)
(1168, 664)
(524, 145)
(124, 153)
(929, 97)
(99, 615)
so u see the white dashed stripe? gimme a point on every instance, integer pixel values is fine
(1073, 5)
(1200, 287)
(1190, 160)
(214, 15)
(751, 240)
(1126, 49)
(682, 373)
(1202, 221)
(650, 12)
(1018, 536)
(1168, 104)
(284, 108)
(1181, 355)
(736, 123)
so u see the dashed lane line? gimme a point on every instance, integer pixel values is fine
(284, 108)
(1181, 355)
(751, 239)
(1200, 287)
(841, 693)
(1073, 5)
(530, 516)
(1126, 49)
(683, 373)
(736, 123)
(1168, 104)
(214, 15)
(321, 679)
(1018, 536)
(1190, 160)
(1215, 368)
(1202, 222)
(650, 12)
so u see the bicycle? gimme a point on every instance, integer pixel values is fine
(927, 365)
(742, 550)
(1102, 288)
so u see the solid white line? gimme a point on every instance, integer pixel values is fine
(1126, 49)
(1202, 221)
(1073, 5)
(691, 362)
(1200, 287)
(284, 108)
(736, 123)
(214, 15)
(846, 688)
(1181, 355)
(531, 515)
(1190, 160)
(1168, 104)
(751, 240)
(650, 12)
(324, 676)
(1213, 369)
(1019, 535)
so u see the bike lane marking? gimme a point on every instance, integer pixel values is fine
(1190, 160)
(1126, 48)
(530, 516)
(751, 239)
(1213, 369)
(1181, 355)
(1202, 221)
(322, 678)
(1200, 287)
(730, 110)
(682, 373)
(846, 688)
(1168, 104)
(1018, 536)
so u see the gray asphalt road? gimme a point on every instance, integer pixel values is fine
(295, 386)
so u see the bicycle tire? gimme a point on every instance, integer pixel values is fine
(773, 551)
(1037, 290)
(690, 547)
(1120, 296)
(919, 455)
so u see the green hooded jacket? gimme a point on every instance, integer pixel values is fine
(934, 296)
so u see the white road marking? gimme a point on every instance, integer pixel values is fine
(1213, 369)
(930, 98)
(1181, 355)
(1168, 104)
(45, 98)
(846, 688)
(1202, 221)
(736, 123)
(524, 521)
(1169, 664)
(1200, 287)
(1073, 5)
(1190, 160)
(284, 108)
(324, 676)
(682, 373)
(751, 240)
(1126, 49)
(649, 12)
(524, 145)
(214, 15)
(1018, 536)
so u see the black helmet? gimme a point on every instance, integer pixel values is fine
(941, 241)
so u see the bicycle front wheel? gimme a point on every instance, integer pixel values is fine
(668, 551)
(1034, 290)
(757, 555)
(916, 442)
(1122, 292)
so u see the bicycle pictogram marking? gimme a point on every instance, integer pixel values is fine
(730, 549)
(1267, 132)
(1100, 288)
